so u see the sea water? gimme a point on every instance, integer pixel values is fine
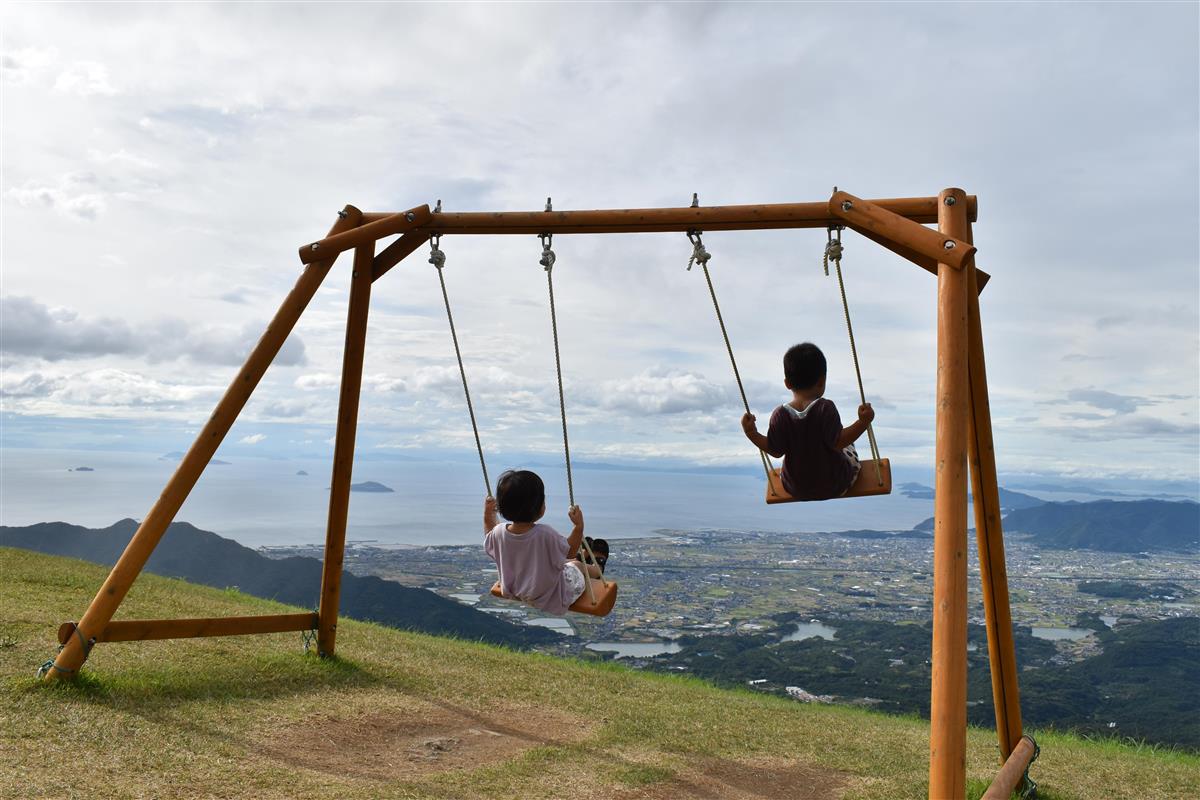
(263, 501)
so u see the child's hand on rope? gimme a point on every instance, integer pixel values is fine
(489, 505)
(575, 514)
(748, 426)
(866, 414)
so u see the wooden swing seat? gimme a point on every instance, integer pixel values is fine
(604, 591)
(865, 485)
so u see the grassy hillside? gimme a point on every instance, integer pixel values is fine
(414, 716)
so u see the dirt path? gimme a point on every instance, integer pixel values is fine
(391, 745)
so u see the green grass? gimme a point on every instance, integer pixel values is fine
(249, 716)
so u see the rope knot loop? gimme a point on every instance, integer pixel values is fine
(437, 256)
(547, 259)
(833, 247)
(699, 254)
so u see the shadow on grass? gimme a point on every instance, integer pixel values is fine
(267, 676)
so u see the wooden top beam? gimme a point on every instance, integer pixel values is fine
(650, 220)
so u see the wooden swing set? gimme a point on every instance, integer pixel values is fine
(963, 434)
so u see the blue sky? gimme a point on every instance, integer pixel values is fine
(161, 164)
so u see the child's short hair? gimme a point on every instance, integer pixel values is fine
(520, 495)
(803, 365)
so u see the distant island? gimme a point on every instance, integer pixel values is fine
(370, 486)
(301, 472)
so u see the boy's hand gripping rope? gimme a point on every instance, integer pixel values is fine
(833, 252)
(701, 256)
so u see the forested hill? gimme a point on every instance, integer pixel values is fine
(204, 557)
(1130, 526)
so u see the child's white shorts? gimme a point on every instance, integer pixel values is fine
(574, 580)
(856, 465)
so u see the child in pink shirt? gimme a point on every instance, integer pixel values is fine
(537, 564)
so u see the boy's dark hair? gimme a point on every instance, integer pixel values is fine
(803, 365)
(520, 495)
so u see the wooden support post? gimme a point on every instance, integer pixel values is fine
(343, 448)
(948, 696)
(148, 534)
(1014, 769)
(989, 535)
(136, 630)
(865, 216)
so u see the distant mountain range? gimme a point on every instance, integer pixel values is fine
(203, 557)
(1009, 500)
(1119, 526)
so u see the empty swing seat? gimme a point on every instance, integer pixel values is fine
(604, 591)
(867, 484)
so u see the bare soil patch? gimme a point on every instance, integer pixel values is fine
(411, 742)
(722, 779)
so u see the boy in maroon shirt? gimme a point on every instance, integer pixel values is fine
(819, 459)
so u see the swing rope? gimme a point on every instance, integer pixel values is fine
(701, 256)
(547, 262)
(833, 252)
(438, 258)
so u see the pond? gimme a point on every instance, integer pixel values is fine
(810, 630)
(635, 649)
(553, 623)
(1061, 634)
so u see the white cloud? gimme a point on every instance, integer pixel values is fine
(317, 380)
(31, 329)
(101, 392)
(74, 194)
(32, 385)
(84, 78)
(661, 390)
(253, 438)
(22, 67)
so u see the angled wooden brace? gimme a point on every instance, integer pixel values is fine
(925, 263)
(370, 233)
(923, 246)
(397, 251)
(92, 625)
